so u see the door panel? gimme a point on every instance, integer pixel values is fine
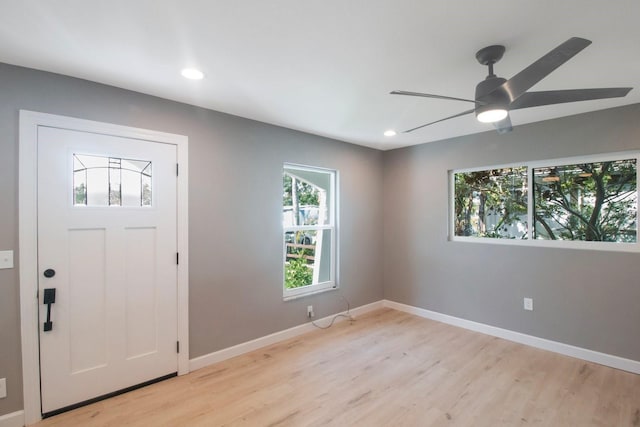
(87, 323)
(107, 226)
(141, 309)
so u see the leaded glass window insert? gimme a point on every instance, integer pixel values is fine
(111, 181)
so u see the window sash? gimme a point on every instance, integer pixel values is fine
(313, 287)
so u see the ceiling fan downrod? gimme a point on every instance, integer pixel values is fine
(490, 55)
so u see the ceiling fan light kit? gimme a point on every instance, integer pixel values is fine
(496, 96)
(491, 115)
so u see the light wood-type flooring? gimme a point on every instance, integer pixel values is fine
(387, 368)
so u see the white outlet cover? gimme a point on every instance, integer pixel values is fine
(6, 259)
(528, 304)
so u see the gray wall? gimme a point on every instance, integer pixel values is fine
(234, 211)
(585, 298)
(581, 297)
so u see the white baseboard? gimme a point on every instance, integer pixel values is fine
(557, 347)
(530, 340)
(246, 347)
(14, 419)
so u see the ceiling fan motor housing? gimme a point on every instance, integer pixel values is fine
(488, 98)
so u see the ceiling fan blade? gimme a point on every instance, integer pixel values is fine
(430, 95)
(536, 99)
(442, 120)
(504, 125)
(517, 85)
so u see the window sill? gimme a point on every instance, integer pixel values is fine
(556, 244)
(309, 292)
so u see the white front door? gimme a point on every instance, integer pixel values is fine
(107, 243)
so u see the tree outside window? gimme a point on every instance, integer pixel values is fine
(491, 203)
(587, 201)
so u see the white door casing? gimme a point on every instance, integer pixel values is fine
(125, 336)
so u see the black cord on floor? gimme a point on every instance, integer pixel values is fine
(347, 315)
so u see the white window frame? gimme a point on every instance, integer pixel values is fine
(332, 283)
(529, 241)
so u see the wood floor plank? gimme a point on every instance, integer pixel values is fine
(387, 368)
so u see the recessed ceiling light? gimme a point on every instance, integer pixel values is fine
(192, 74)
(390, 132)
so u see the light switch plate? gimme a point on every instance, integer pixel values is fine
(6, 259)
(3, 388)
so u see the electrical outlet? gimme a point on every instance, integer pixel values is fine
(3, 388)
(528, 304)
(310, 313)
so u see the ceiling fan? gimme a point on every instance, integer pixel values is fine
(496, 96)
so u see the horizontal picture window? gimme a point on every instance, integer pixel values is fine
(582, 202)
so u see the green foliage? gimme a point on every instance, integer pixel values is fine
(297, 273)
(307, 194)
(80, 194)
(591, 201)
(491, 203)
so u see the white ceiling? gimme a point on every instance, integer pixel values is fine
(326, 67)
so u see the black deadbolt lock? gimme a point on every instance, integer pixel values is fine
(49, 273)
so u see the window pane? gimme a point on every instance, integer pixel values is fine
(98, 186)
(115, 188)
(491, 203)
(300, 247)
(306, 197)
(588, 201)
(80, 187)
(146, 189)
(111, 181)
(308, 257)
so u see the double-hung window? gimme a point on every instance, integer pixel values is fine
(309, 230)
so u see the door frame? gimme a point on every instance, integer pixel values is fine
(28, 238)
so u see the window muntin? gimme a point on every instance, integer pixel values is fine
(595, 201)
(308, 220)
(111, 181)
(566, 206)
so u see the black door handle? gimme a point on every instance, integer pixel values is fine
(48, 299)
